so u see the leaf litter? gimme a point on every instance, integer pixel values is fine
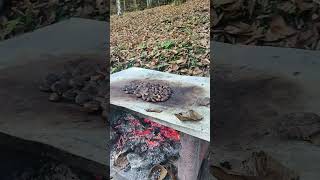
(280, 23)
(24, 16)
(168, 38)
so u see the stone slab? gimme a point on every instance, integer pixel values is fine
(27, 114)
(301, 67)
(187, 90)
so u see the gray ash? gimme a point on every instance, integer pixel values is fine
(144, 143)
(82, 83)
(149, 91)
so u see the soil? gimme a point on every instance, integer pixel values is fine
(18, 165)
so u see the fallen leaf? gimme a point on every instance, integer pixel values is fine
(222, 2)
(278, 30)
(158, 169)
(190, 115)
(238, 28)
(154, 110)
(121, 160)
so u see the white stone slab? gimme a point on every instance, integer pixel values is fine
(187, 90)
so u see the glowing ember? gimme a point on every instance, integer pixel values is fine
(143, 144)
(150, 132)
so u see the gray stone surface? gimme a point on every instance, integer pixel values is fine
(74, 36)
(27, 113)
(234, 143)
(187, 91)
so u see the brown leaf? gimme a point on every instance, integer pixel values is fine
(278, 30)
(154, 110)
(197, 71)
(222, 2)
(190, 115)
(158, 168)
(121, 160)
(238, 28)
(252, 4)
(287, 7)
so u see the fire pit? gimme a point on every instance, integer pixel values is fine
(141, 145)
(150, 141)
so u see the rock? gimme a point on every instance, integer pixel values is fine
(82, 98)
(54, 97)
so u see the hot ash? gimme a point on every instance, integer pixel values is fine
(141, 145)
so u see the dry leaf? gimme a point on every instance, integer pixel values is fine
(191, 115)
(121, 160)
(154, 110)
(287, 7)
(278, 30)
(222, 2)
(158, 169)
(238, 28)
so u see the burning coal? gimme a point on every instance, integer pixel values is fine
(140, 145)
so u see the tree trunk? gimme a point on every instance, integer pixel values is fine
(135, 5)
(119, 11)
(124, 5)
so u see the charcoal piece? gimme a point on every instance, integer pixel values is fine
(82, 98)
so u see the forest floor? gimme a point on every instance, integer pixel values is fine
(19, 17)
(168, 38)
(280, 23)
